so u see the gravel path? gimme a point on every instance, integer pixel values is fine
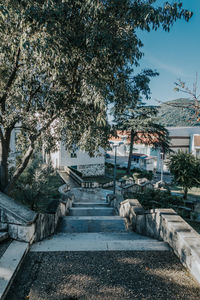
(103, 275)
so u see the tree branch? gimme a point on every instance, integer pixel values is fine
(10, 82)
(31, 97)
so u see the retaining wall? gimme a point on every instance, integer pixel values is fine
(27, 225)
(166, 225)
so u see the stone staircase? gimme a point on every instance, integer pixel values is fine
(93, 226)
(91, 217)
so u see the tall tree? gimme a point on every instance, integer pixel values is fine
(143, 126)
(186, 170)
(62, 62)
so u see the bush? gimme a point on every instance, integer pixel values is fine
(143, 174)
(157, 199)
(38, 185)
(186, 170)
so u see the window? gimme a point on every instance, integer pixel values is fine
(73, 155)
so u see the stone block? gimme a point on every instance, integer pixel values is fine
(45, 226)
(26, 233)
(3, 226)
(151, 227)
(9, 218)
(14, 212)
(21, 233)
(13, 231)
(124, 209)
(140, 224)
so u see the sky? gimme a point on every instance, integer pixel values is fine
(175, 55)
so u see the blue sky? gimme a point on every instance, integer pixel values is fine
(174, 55)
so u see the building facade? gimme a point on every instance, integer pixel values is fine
(79, 160)
(185, 139)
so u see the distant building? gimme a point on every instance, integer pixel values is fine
(148, 157)
(186, 139)
(144, 156)
(79, 160)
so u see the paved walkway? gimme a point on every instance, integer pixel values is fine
(94, 257)
(68, 179)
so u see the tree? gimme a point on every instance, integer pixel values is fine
(142, 125)
(186, 170)
(63, 62)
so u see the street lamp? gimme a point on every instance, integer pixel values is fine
(161, 166)
(115, 165)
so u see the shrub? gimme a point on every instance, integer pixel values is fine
(186, 170)
(38, 185)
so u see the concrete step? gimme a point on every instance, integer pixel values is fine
(91, 211)
(4, 236)
(99, 242)
(92, 224)
(90, 204)
(10, 263)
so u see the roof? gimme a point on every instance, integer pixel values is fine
(139, 155)
(141, 138)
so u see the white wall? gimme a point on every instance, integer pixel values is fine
(63, 158)
(55, 159)
(183, 131)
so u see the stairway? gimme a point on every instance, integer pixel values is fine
(91, 217)
(93, 226)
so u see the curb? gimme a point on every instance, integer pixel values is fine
(10, 263)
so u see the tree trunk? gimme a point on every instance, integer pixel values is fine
(4, 167)
(130, 152)
(20, 169)
(5, 149)
(185, 193)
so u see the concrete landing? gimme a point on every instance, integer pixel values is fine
(99, 242)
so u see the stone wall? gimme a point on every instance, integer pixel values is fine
(28, 226)
(137, 188)
(92, 170)
(165, 224)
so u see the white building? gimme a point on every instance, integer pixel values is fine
(79, 160)
(149, 158)
(185, 139)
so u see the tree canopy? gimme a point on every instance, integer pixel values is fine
(63, 62)
(186, 170)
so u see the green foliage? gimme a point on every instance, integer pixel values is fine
(63, 62)
(143, 174)
(179, 112)
(157, 199)
(186, 170)
(38, 185)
